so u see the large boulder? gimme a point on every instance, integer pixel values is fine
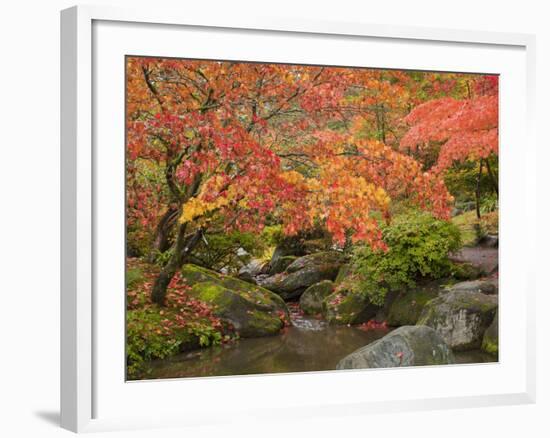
(311, 301)
(281, 263)
(290, 246)
(348, 307)
(489, 287)
(252, 310)
(302, 244)
(252, 269)
(460, 317)
(326, 260)
(405, 346)
(302, 273)
(408, 305)
(490, 338)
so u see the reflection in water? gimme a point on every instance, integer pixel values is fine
(308, 345)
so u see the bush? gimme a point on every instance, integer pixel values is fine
(419, 246)
(146, 339)
(273, 235)
(489, 203)
(153, 333)
(138, 242)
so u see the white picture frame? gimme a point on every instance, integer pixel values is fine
(84, 375)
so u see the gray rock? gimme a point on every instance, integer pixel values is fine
(323, 260)
(251, 270)
(280, 264)
(290, 246)
(405, 346)
(406, 308)
(292, 285)
(489, 240)
(465, 271)
(489, 287)
(311, 301)
(460, 317)
(348, 307)
(302, 273)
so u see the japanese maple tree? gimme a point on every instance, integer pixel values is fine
(467, 128)
(245, 142)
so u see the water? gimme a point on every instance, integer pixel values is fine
(308, 345)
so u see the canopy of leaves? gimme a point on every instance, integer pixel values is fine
(467, 128)
(252, 143)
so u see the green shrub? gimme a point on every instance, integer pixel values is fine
(146, 339)
(488, 203)
(162, 258)
(138, 242)
(152, 334)
(273, 235)
(419, 246)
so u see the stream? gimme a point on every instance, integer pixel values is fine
(309, 344)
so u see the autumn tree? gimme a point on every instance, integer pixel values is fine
(238, 143)
(466, 129)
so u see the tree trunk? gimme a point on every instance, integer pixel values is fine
(184, 245)
(494, 181)
(478, 189)
(161, 242)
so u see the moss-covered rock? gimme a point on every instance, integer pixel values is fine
(460, 317)
(466, 271)
(489, 287)
(408, 305)
(280, 264)
(490, 338)
(252, 310)
(303, 273)
(289, 246)
(311, 301)
(252, 269)
(348, 307)
(194, 274)
(405, 346)
(320, 260)
(317, 245)
(239, 310)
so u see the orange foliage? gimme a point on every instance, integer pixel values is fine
(468, 128)
(249, 141)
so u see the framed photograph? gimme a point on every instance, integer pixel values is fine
(252, 207)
